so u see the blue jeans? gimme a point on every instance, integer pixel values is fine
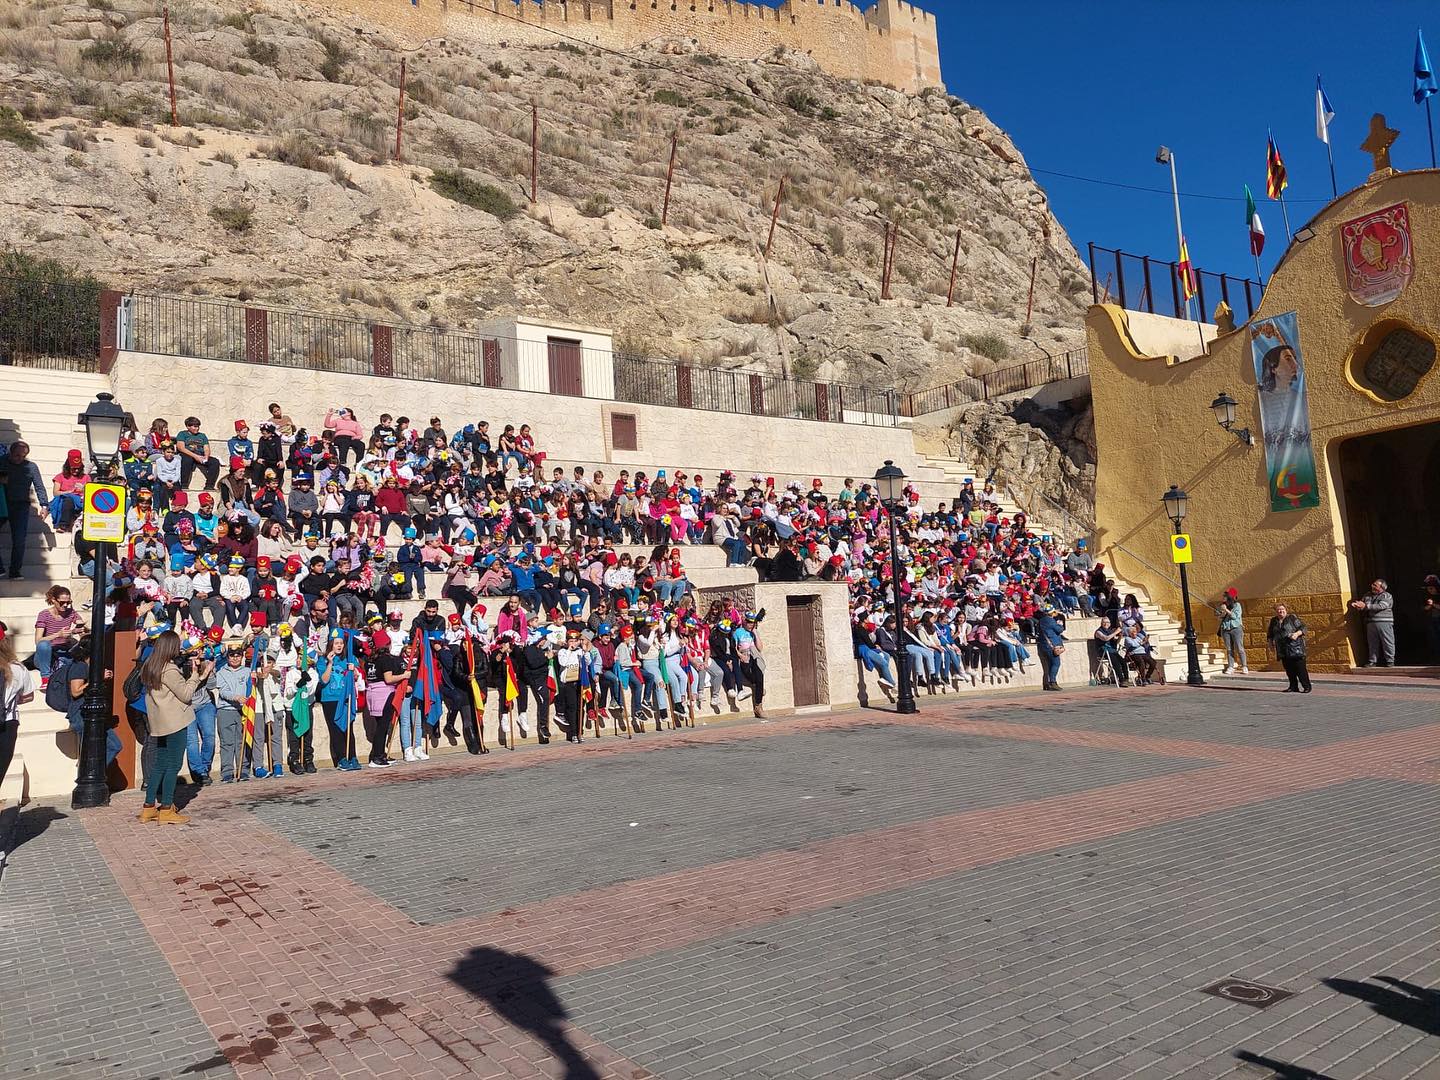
(1017, 653)
(410, 735)
(19, 531)
(617, 679)
(112, 737)
(655, 688)
(922, 661)
(44, 657)
(64, 508)
(1050, 663)
(200, 741)
(507, 455)
(875, 660)
(736, 552)
(668, 592)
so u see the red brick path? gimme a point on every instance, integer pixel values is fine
(298, 971)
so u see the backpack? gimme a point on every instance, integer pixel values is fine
(57, 690)
(134, 689)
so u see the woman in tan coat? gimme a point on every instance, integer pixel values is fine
(167, 703)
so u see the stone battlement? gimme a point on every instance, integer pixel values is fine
(895, 42)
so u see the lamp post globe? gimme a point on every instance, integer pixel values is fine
(890, 486)
(1177, 505)
(1224, 409)
(103, 420)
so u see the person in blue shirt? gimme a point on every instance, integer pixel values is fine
(19, 476)
(241, 446)
(408, 559)
(522, 571)
(1050, 641)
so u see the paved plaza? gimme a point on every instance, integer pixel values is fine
(1041, 885)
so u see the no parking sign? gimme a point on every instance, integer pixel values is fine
(1180, 549)
(104, 513)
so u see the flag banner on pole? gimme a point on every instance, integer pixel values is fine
(1284, 413)
(1425, 83)
(1276, 180)
(300, 706)
(1185, 271)
(347, 710)
(247, 710)
(1253, 223)
(512, 687)
(1324, 113)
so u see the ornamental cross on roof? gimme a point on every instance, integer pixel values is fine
(1377, 145)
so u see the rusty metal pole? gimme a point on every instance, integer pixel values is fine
(170, 67)
(1030, 303)
(669, 178)
(892, 237)
(400, 111)
(954, 266)
(534, 152)
(775, 216)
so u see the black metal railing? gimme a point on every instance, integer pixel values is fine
(1140, 283)
(222, 330)
(49, 324)
(1011, 379)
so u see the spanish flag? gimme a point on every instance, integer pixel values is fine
(1276, 181)
(512, 688)
(1185, 271)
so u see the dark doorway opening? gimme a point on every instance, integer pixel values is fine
(566, 376)
(1392, 527)
(804, 665)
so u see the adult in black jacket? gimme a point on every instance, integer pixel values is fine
(1287, 633)
(459, 699)
(533, 667)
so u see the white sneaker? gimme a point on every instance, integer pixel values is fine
(743, 694)
(715, 706)
(885, 683)
(524, 731)
(409, 754)
(1244, 671)
(420, 754)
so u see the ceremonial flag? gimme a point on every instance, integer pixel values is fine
(1324, 113)
(1185, 271)
(347, 713)
(477, 694)
(247, 711)
(550, 682)
(512, 688)
(300, 706)
(1425, 84)
(1276, 180)
(1252, 221)
(427, 689)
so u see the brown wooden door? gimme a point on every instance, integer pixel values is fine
(565, 374)
(800, 610)
(490, 363)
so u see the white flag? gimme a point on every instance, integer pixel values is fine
(1323, 113)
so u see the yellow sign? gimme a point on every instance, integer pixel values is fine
(1180, 550)
(104, 513)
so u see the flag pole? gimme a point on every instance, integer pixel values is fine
(1330, 153)
(1286, 215)
(1179, 246)
(1430, 127)
(1258, 275)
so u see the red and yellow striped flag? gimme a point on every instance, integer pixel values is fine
(1185, 271)
(1276, 180)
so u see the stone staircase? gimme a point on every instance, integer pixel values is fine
(1167, 633)
(42, 410)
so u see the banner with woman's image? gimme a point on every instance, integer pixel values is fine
(1284, 413)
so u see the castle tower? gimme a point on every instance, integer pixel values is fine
(913, 55)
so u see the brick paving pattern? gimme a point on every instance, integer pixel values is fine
(1022, 887)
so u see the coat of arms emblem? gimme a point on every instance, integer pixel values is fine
(1378, 255)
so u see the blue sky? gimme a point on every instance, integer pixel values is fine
(1093, 89)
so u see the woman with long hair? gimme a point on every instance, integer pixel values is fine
(17, 686)
(170, 683)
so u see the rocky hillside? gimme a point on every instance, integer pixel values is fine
(280, 185)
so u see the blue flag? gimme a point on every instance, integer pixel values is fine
(346, 712)
(1425, 84)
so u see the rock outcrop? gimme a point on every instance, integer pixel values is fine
(281, 185)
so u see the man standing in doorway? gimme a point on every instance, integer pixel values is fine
(1377, 608)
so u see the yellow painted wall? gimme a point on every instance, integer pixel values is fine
(1154, 428)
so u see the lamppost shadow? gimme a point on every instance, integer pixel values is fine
(1408, 1004)
(517, 988)
(1283, 1070)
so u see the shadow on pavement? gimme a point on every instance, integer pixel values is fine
(1408, 1004)
(517, 988)
(32, 824)
(1283, 1070)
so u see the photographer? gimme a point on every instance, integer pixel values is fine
(171, 682)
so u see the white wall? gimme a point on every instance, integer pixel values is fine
(525, 354)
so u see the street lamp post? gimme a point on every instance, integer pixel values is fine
(1177, 503)
(103, 420)
(890, 484)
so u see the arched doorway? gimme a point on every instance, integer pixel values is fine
(1391, 482)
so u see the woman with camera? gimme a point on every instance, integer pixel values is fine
(171, 680)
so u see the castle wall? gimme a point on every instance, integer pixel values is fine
(894, 43)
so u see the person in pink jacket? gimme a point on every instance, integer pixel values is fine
(349, 435)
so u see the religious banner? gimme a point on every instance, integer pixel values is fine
(1284, 413)
(1378, 256)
